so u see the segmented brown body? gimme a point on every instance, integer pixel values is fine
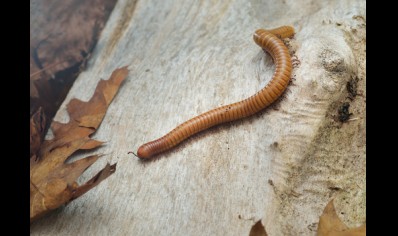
(271, 42)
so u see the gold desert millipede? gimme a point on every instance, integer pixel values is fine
(270, 40)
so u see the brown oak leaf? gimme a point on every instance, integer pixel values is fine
(52, 180)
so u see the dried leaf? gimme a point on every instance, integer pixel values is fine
(37, 127)
(258, 229)
(103, 174)
(52, 181)
(331, 225)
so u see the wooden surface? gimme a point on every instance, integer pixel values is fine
(282, 165)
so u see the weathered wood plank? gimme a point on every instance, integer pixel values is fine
(281, 166)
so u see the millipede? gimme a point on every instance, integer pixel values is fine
(271, 42)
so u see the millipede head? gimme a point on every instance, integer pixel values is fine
(144, 152)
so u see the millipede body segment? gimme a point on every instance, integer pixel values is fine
(270, 40)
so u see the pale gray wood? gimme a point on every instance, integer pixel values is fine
(282, 165)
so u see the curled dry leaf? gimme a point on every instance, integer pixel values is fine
(331, 225)
(258, 229)
(37, 128)
(52, 181)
